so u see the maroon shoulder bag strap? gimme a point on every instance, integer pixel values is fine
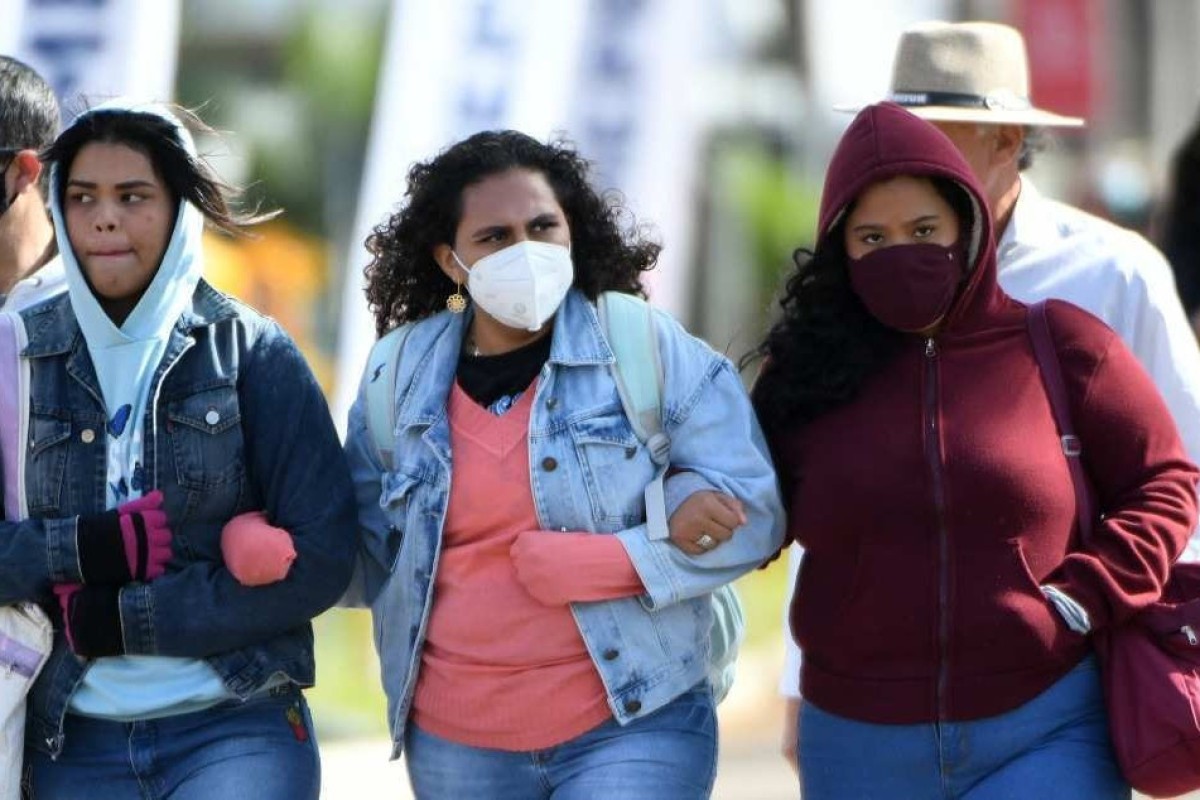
(1056, 392)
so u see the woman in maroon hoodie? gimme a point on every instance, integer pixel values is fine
(945, 601)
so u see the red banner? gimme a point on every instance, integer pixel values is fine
(1062, 37)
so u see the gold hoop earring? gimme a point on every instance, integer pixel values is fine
(456, 303)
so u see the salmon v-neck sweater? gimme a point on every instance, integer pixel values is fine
(493, 654)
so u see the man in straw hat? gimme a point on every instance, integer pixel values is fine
(971, 80)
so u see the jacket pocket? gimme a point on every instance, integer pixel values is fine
(1025, 632)
(615, 466)
(206, 446)
(206, 438)
(46, 463)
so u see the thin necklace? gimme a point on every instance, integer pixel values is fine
(471, 346)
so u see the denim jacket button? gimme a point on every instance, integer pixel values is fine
(633, 706)
(551, 403)
(610, 654)
(88, 436)
(212, 417)
(549, 464)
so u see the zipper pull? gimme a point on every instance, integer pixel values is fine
(1190, 633)
(930, 348)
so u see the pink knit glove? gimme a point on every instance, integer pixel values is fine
(255, 551)
(131, 542)
(158, 535)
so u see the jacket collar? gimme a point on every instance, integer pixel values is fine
(578, 340)
(53, 330)
(578, 336)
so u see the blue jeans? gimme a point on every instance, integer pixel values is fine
(262, 749)
(670, 754)
(1055, 746)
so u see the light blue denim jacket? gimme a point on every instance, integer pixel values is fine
(237, 423)
(587, 472)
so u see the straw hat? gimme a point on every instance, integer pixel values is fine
(967, 72)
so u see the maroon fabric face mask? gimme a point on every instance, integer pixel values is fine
(909, 287)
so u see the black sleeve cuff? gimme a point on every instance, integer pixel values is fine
(95, 621)
(102, 549)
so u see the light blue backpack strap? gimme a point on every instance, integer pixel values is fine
(725, 638)
(629, 326)
(381, 392)
(14, 414)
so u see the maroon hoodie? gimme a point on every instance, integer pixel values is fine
(934, 505)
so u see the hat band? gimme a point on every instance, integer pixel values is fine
(1006, 100)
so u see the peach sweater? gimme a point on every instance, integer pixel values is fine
(494, 655)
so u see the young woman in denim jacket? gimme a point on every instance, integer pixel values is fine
(160, 410)
(535, 641)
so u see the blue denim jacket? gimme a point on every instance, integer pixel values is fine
(587, 472)
(237, 423)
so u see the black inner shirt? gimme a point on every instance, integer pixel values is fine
(488, 379)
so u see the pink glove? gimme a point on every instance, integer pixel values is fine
(131, 542)
(64, 592)
(158, 535)
(255, 551)
(91, 618)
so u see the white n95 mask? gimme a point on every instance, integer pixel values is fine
(523, 284)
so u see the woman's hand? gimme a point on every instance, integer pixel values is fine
(255, 551)
(705, 520)
(131, 542)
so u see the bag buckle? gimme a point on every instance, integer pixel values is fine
(1072, 446)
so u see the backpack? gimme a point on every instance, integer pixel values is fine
(26, 636)
(628, 324)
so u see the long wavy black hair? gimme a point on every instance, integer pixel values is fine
(405, 283)
(187, 176)
(825, 343)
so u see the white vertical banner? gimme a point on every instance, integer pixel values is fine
(450, 68)
(635, 114)
(11, 13)
(852, 61)
(90, 50)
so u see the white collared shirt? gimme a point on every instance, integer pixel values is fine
(1051, 250)
(43, 284)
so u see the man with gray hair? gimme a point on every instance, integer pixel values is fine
(971, 80)
(29, 121)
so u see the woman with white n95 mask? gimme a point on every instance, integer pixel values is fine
(535, 639)
(522, 285)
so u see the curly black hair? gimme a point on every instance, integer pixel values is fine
(826, 344)
(404, 282)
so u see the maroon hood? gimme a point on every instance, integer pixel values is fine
(884, 141)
